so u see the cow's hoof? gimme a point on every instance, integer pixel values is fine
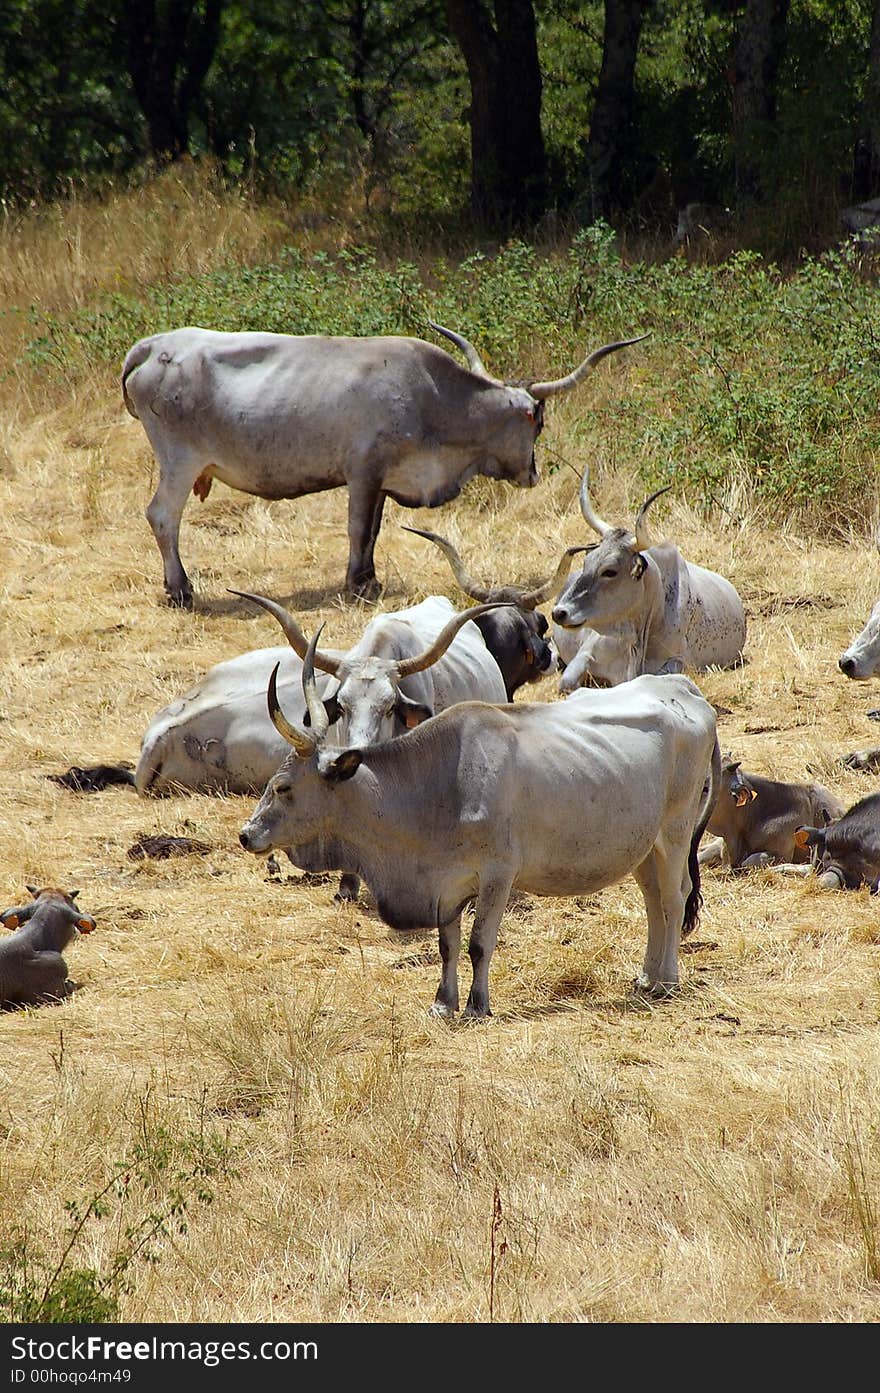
(440, 1011)
(179, 599)
(368, 591)
(866, 761)
(660, 991)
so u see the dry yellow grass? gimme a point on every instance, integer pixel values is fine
(710, 1158)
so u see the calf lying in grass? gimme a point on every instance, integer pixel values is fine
(32, 969)
(756, 818)
(848, 849)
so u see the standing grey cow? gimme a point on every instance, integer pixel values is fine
(281, 415)
(756, 818)
(552, 799)
(32, 969)
(656, 611)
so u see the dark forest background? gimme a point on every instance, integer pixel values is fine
(494, 114)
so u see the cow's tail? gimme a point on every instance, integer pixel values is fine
(136, 356)
(694, 901)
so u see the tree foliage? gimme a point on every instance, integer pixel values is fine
(501, 109)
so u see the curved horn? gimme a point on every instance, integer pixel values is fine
(530, 599)
(474, 361)
(591, 517)
(303, 743)
(640, 529)
(407, 666)
(293, 633)
(542, 390)
(464, 578)
(317, 710)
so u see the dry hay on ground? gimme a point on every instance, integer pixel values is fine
(714, 1157)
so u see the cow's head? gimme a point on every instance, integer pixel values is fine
(862, 659)
(296, 808)
(367, 697)
(842, 854)
(514, 635)
(63, 903)
(510, 439)
(610, 589)
(737, 785)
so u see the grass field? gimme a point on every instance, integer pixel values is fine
(245, 1112)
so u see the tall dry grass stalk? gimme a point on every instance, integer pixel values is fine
(583, 1156)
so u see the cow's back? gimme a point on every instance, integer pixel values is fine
(716, 627)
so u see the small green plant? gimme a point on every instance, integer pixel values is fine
(146, 1198)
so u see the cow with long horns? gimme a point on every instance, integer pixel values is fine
(656, 612)
(281, 415)
(558, 798)
(516, 633)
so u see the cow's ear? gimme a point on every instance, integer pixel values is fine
(639, 566)
(809, 836)
(411, 713)
(10, 919)
(333, 709)
(343, 767)
(743, 795)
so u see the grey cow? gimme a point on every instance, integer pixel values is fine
(552, 799)
(755, 819)
(639, 607)
(32, 969)
(281, 415)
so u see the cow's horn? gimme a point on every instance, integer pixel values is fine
(407, 666)
(530, 599)
(474, 361)
(464, 578)
(293, 633)
(591, 517)
(317, 710)
(303, 742)
(542, 390)
(640, 528)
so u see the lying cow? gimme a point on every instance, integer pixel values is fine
(551, 799)
(859, 662)
(657, 612)
(848, 850)
(218, 736)
(32, 969)
(515, 633)
(279, 416)
(756, 818)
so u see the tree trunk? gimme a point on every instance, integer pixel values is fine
(612, 135)
(169, 50)
(759, 52)
(866, 158)
(508, 162)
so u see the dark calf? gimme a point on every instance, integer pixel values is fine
(848, 850)
(515, 638)
(757, 818)
(32, 969)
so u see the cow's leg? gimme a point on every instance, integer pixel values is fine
(365, 504)
(164, 512)
(662, 884)
(349, 885)
(491, 903)
(712, 853)
(446, 1000)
